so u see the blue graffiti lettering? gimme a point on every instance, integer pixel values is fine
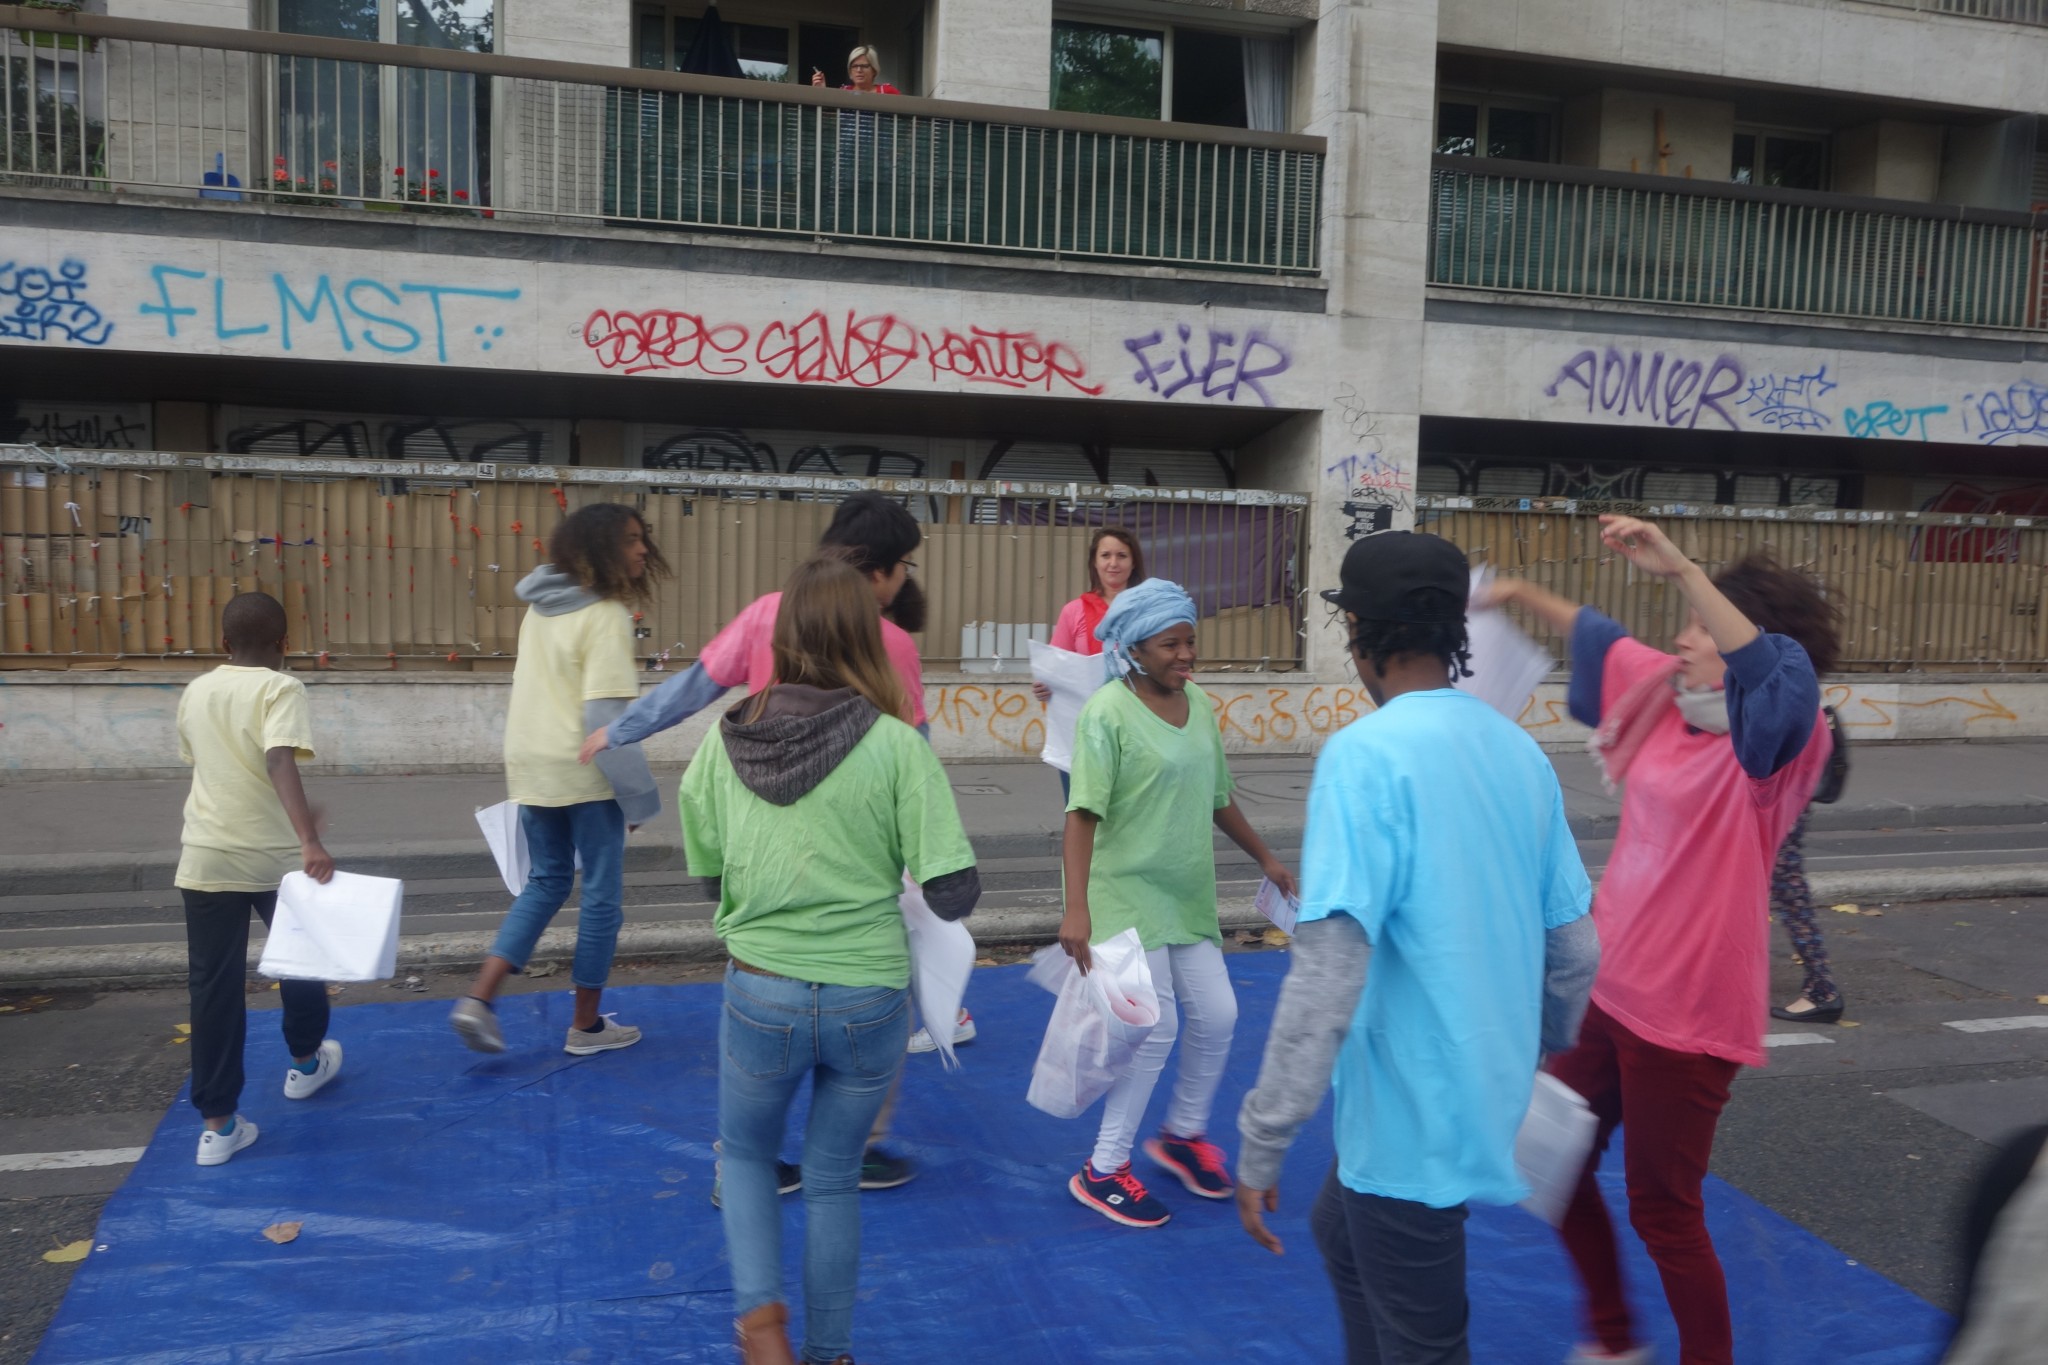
(2016, 413)
(1787, 401)
(36, 305)
(1230, 366)
(1885, 420)
(360, 309)
(1674, 394)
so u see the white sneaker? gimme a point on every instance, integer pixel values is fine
(963, 1032)
(613, 1035)
(299, 1085)
(215, 1148)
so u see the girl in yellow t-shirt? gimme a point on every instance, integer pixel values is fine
(575, 673)
(1149, 784)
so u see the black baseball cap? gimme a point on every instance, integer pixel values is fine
(1403, 576)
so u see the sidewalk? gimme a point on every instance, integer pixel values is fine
(60, 837)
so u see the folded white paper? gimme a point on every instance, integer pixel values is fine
(500, 824)
(1277, 906)
(1552, 1147)
(345, 930)
(1506, 664)
(1073, 679)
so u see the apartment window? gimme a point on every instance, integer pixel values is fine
(347, 127)
(766, 52)
(1788, 160)
(1513, 130)
(1188, 75)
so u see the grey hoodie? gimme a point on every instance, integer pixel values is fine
(554, 593)
(801, 735)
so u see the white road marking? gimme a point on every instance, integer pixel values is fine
(1793, 1039)
(1999, 1025)
(68, 1161)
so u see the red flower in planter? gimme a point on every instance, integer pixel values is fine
(278, 162)
(328, 165)
(462, 194)
(433, 175)
(398, 170)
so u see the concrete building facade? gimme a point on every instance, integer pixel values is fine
(1775, 270)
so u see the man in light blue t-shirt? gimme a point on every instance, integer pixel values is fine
(1436, 848)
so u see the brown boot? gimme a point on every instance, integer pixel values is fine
(763, 1336)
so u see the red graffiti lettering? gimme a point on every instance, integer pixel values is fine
(1014, 360)
(664, 339)
(868, 352)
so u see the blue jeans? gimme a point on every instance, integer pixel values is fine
(555, 836)
(773, 1033)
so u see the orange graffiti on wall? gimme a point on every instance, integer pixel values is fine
(1842, 696)
(1010, 716)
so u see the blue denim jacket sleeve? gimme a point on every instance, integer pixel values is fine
(672, 703)
(1773, 703)
(1592, 636)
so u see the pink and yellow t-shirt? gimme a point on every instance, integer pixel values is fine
(744, 653)
(1683, 908)
(1075, 630)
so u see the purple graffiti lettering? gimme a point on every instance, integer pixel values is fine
(1670, 391)
(1230, 367)
(2018, 412)
(1787, 402)
(1882, 420)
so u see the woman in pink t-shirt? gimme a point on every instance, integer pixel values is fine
(1721, 746)
(1114, 563)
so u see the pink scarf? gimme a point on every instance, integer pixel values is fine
(1630, 720)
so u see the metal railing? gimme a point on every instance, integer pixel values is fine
(383, 563)
(2002, 11)
(1599, 234)
(1917, 590)
(267, 118)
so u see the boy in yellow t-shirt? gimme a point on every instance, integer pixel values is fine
(243, 728)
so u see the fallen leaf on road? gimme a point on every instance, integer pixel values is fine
(1275, 938)
(69, 1252)
(1847, 908)
(542, 969)
(1847, 1023)
(281, 1233)
(181, 1028)
(1963, 924)
(2041, 999)
(984, 962)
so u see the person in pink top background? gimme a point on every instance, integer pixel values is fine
(1114, 563)
(1717, 750)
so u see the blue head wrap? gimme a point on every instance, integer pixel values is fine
(1138, 614)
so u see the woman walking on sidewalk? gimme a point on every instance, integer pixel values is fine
(1721, 746)
(805, 807)
(1150, 787)
(575, 673)
(1818, 1001)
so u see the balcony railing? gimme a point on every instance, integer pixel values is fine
(1581, 233)
(2003, 11)
(266, 118)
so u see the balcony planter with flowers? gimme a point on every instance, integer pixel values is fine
(429, 193)
(289, 187)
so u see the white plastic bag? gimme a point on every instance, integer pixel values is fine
(1099, 1021)
(1073, 679)
(1551, 1149)
(941, 960)
(346, 930)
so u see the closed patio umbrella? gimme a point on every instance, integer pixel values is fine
(711, 52)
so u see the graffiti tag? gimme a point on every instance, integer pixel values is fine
(1885, 420)
(1787, 402)
(1675, 393)
(1229, 367)
(2013, 414)
(36, 305)
(396, 321)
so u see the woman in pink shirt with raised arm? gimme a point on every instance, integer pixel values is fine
(1721, 745)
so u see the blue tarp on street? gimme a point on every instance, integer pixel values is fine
(540, 1207)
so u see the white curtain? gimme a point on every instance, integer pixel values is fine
(1268, 72)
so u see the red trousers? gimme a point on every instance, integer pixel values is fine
(1669, 1102)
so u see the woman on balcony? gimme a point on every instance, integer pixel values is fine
(1721, 746)
(863, 73)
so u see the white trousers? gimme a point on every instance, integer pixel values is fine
(1197, 1005)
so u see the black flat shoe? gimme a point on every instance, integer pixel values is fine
(1819, 1014)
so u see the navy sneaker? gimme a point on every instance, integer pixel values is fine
(1199, 1165)
(881, 1171)
(1119, 1196)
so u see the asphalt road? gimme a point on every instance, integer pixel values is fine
(1868, 1137)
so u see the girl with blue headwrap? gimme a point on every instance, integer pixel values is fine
(1149, 784)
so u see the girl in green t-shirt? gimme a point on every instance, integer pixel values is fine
(1149, 784)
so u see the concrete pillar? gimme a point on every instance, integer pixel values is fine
(990, 52)
(1375, 102)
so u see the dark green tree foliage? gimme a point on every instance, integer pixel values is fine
(47, 134)
(1097, 69)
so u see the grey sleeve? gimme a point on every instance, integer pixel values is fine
(625, 767)
(1317, 1001)
(1571, 957)
(952, 896)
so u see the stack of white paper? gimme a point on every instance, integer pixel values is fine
(1276, 905)
(1552, 1147)
(1506, 664)
(1073, 679)
(345, 930)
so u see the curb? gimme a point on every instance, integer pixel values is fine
(163, 964)
(58, 874)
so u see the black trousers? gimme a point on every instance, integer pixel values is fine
(217, 950)
(1399, 1271)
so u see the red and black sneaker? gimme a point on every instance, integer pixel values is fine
(1119, 1196)
(1199, 1165)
